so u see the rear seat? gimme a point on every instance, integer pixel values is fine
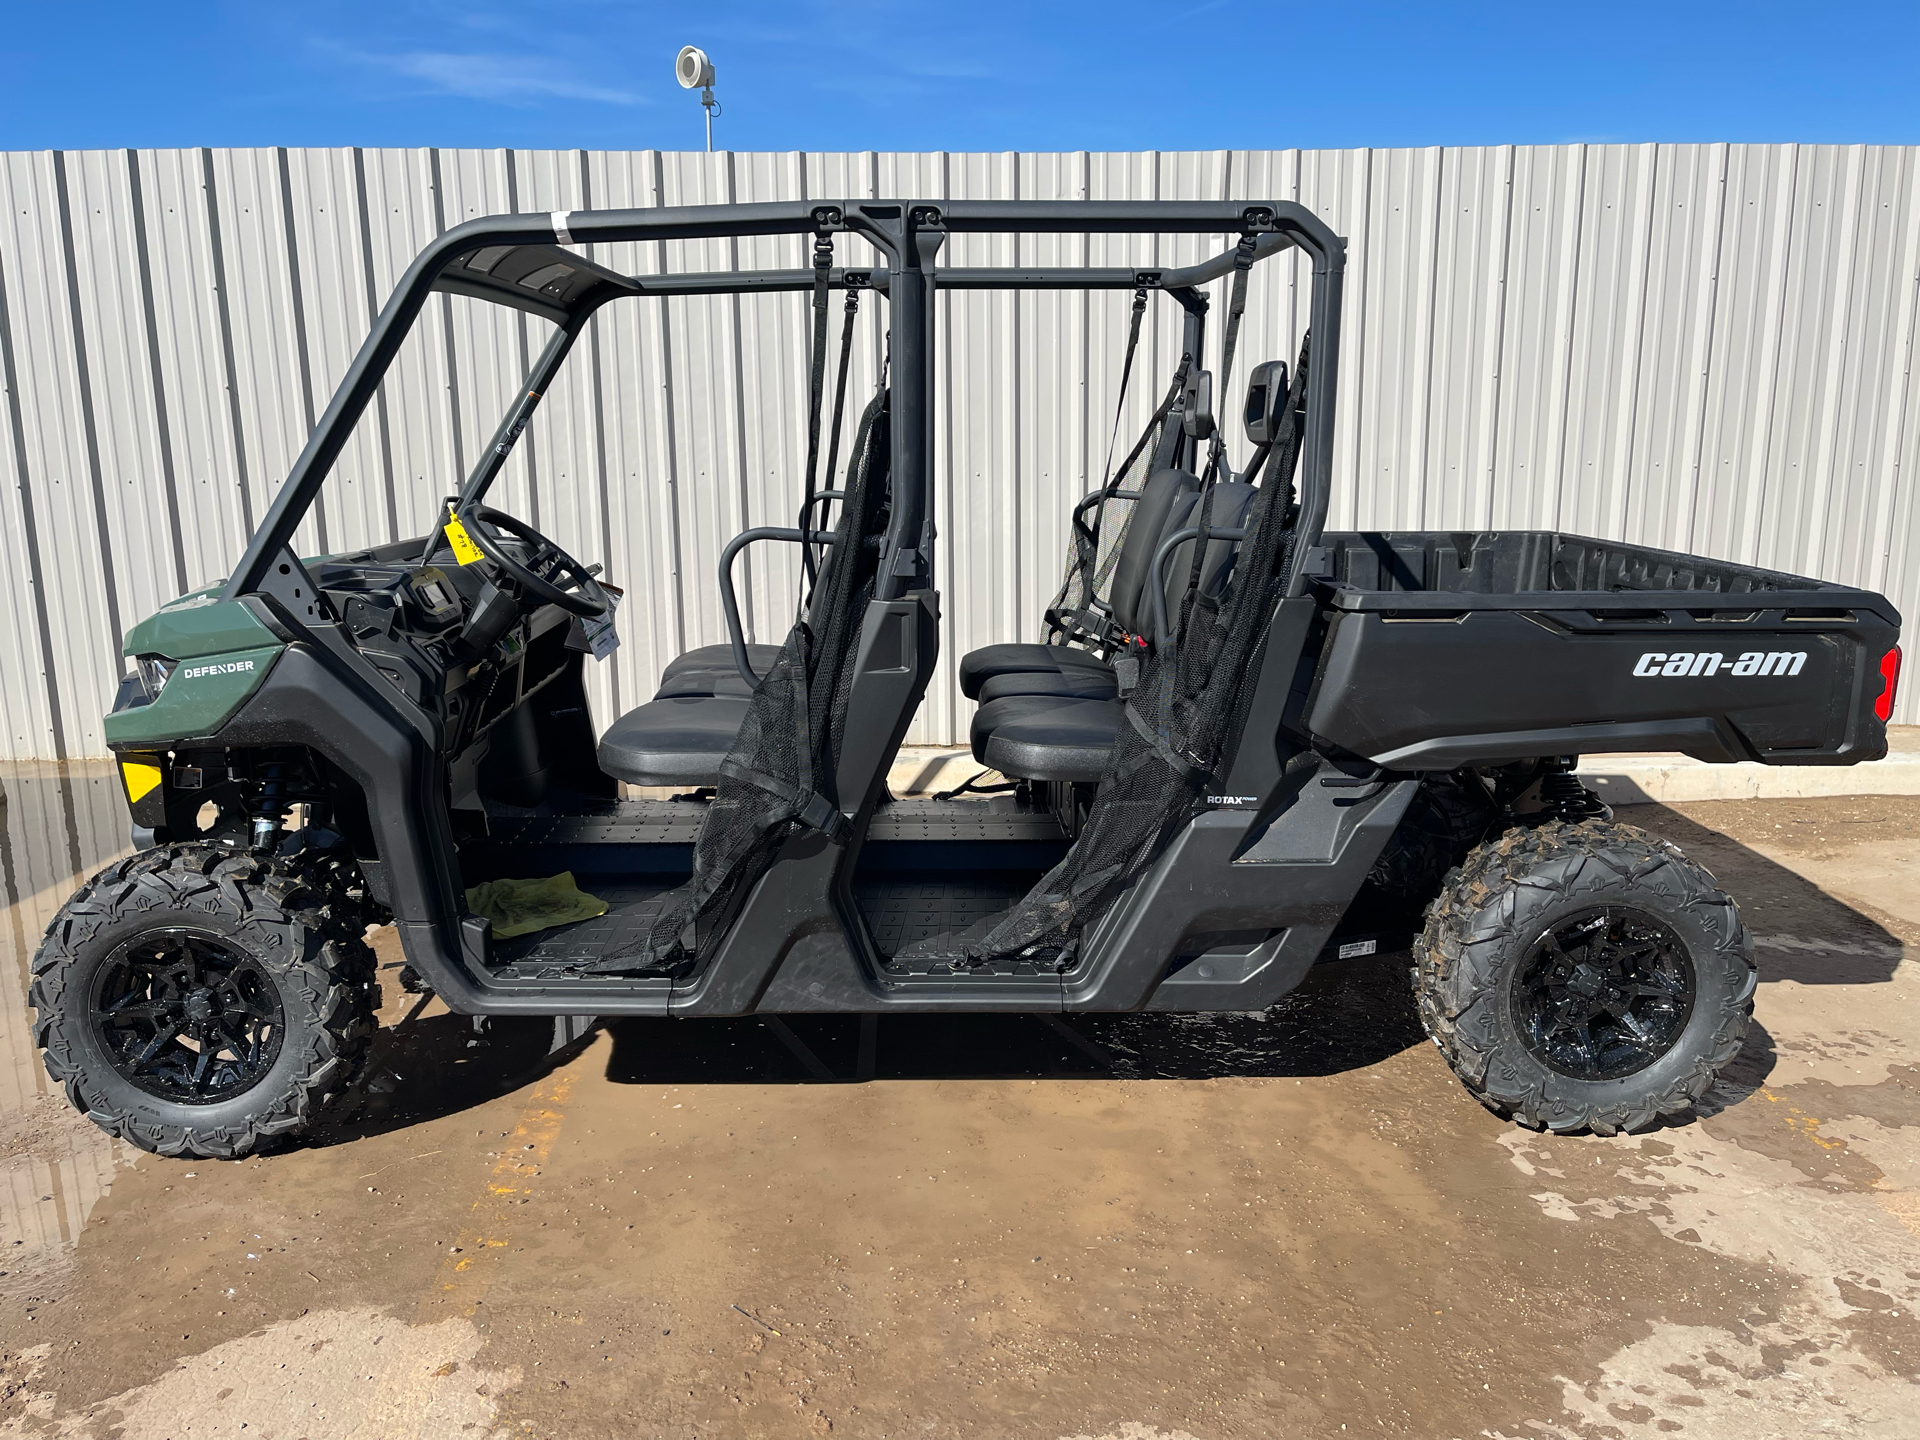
(1065, 733)
(1063, 670)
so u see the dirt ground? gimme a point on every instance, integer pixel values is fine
(1285, 1225)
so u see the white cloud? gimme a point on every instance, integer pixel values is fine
(505, 79)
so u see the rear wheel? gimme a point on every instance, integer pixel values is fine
(1443, 823)
(1584, 976)
(195, 1001)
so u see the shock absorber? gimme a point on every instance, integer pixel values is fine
(1564, 797)
(269, 805)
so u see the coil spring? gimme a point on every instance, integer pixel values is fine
(1565, 798)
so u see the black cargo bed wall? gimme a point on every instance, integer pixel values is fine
(1512, 562)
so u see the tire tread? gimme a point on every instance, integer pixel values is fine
(1479, 909)
(296, 908)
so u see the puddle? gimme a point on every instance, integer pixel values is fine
(58, 824)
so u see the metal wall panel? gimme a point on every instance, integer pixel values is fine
(1703, 347)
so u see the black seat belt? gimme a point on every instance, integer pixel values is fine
(1243, 257)
(1126, 376)
(840, 389)
(822, 273)
(827, 493)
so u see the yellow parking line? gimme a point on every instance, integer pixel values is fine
(467, 1271)
(1902, 1205)
(1799, 1121)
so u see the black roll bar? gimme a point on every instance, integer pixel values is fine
(908, 234)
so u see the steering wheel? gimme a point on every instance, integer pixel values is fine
(541, 575)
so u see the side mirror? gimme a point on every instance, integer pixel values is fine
(1266, 399)
(1196, 408)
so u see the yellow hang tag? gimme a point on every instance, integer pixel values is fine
(464, 550)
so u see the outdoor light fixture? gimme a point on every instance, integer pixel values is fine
(694, 71)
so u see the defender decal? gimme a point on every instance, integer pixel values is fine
(229, 667)
(1710, 662)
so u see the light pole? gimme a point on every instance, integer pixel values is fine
(694, 71)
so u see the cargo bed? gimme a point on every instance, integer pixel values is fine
(1453, 648)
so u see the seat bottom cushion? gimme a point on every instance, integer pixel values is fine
(1038, 737)
(678, 741)
(979, 666)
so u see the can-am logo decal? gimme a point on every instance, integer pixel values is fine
(1712, 662)
(227, 667)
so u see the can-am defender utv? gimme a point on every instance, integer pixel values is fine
(1246, 745)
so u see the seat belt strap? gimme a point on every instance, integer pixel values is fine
(822, 272)
(1169, 446)
(840, 394)
(1126, 375)
(1243, 257)
(1086, 537)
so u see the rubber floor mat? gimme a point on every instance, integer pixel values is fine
(547, 954)
(901, 912)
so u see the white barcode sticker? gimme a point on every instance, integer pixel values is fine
(1357, 947)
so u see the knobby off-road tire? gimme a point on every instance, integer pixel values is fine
(299, 997)
(1537, 928)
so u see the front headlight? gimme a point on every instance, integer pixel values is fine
(154, 670)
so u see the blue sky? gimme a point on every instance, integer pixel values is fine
(982, 75)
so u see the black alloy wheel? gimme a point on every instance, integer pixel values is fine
(187, 1017)
(1604, 993)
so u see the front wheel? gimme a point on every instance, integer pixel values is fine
(198, 1002)
(1584, 976)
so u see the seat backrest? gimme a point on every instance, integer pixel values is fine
(1162, 495)
(879, 486)
(1232, 499)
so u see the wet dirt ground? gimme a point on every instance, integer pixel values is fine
(1294, 1224)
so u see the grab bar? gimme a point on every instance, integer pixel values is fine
(1160, 558)
(730, 603)
(1087, 502)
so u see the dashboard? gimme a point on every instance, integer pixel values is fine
(444, 638)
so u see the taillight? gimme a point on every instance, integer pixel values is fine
(1890, 672)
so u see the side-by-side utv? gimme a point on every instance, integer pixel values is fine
(1245, 746)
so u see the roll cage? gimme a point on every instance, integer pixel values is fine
(518, 261)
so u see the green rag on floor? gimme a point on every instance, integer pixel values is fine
(519, 907)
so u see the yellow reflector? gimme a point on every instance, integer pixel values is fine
(140, 778)
(464, 550)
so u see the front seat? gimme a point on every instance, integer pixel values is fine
(679, 741)
(679, 738)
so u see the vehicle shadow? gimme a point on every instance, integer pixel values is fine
(432, 1066)
(1800, 932)
(1345, 1017)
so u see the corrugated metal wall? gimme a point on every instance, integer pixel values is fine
(1706, 348)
